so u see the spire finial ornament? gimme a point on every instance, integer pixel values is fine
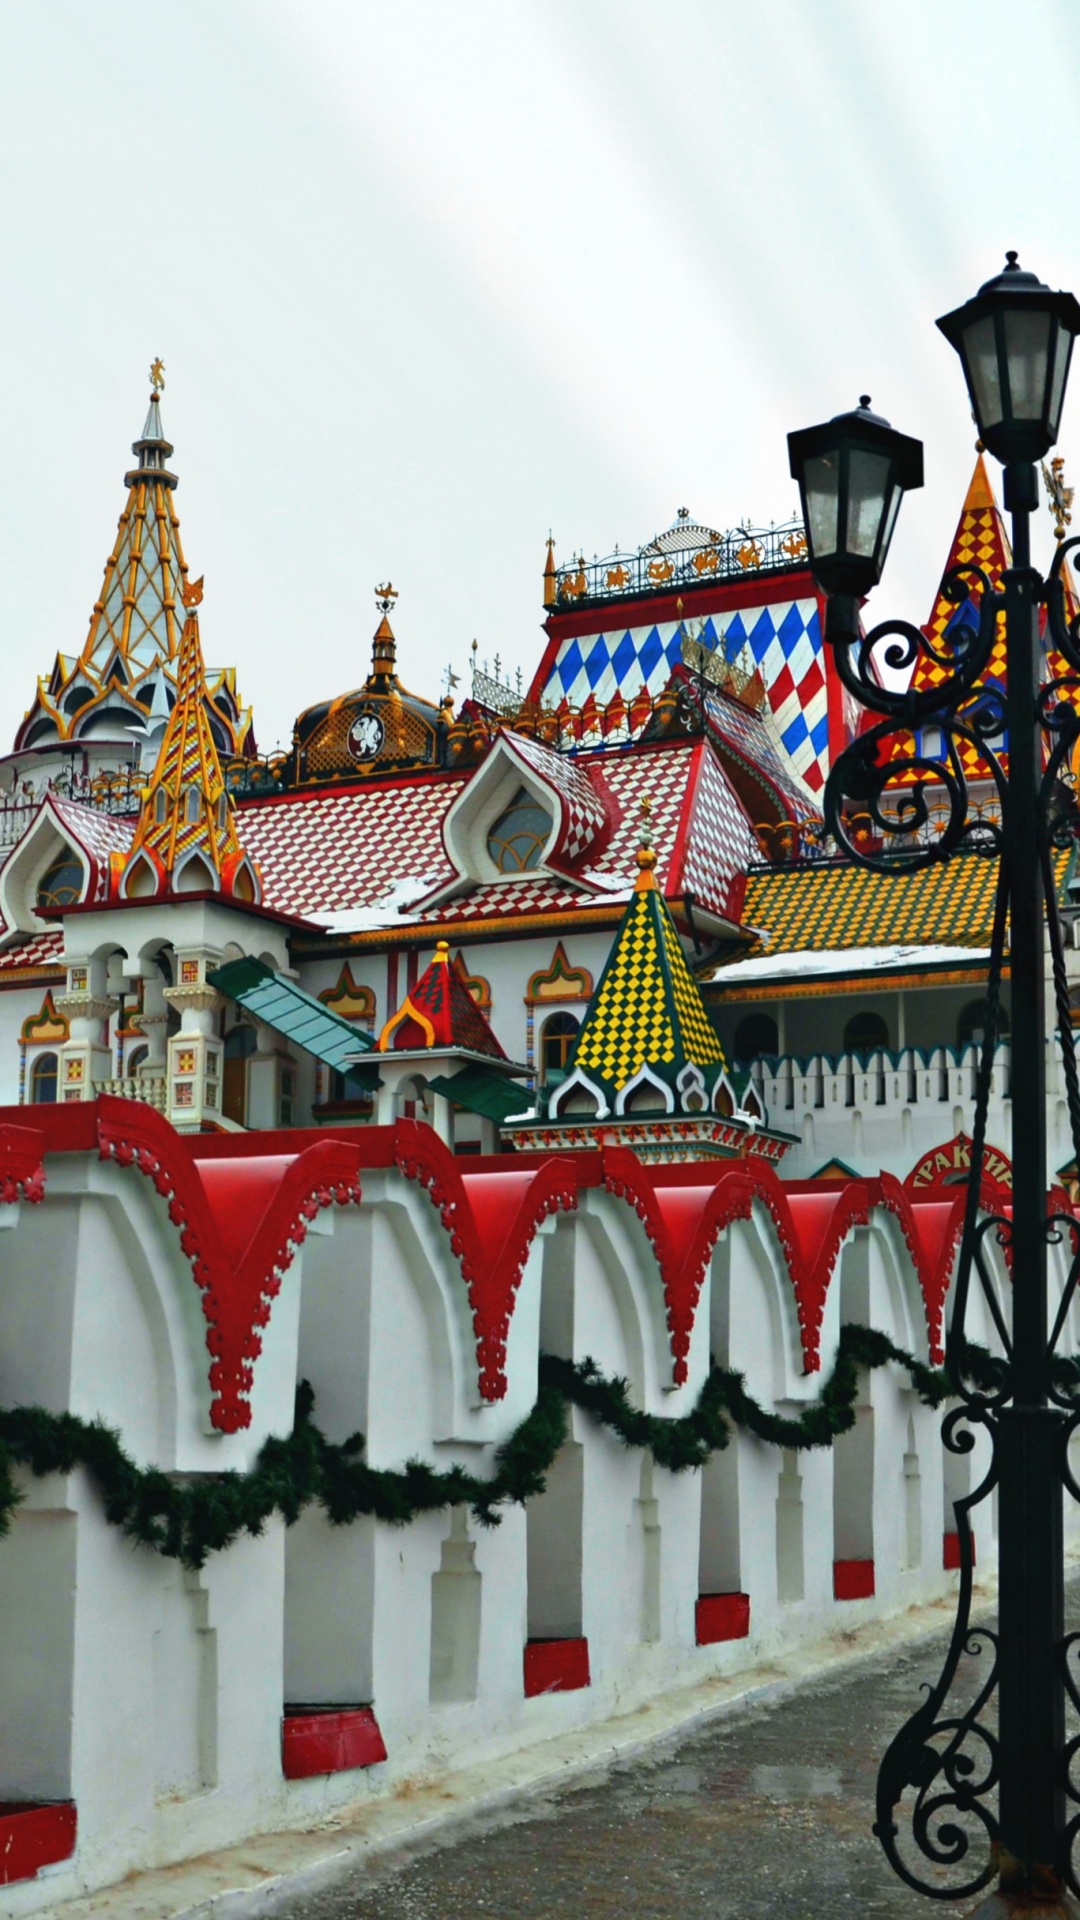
(157, 376)
(1059, 496)
(192, 592)
(383, 647)
(646, 855)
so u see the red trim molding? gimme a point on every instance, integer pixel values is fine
(950, 1556)
(329, 1740)
(556, 1666)
(22, 1168)
(853, 1579)
(33, 1835)
(721, 1616)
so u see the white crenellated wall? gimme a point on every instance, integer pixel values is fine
(153, 1697)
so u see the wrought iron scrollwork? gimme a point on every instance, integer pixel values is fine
(876, 805)
(899, 799)
(948, 1761)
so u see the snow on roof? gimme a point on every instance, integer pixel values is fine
(786, 966)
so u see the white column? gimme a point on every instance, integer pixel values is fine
(195, 1053)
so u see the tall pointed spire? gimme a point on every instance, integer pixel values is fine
(137, 619)
(980, 540)
(186, 840)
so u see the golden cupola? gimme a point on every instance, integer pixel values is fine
(186, 840)
(378, 728)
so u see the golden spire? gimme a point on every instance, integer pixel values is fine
(186, 840)
(551, 591)
(646, 853)
(384, 646)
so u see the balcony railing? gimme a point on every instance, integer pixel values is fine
(664, 567)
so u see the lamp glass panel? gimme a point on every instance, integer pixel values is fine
(868, 486)
(1027, 345)
(821, 482)
(1062, 353)
(981, 362)
(890, 521)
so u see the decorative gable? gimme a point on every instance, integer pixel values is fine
(525, 809)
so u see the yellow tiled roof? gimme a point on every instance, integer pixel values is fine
(648, 1006)
(849, 906)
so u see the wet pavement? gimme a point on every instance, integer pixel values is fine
(765, 1812)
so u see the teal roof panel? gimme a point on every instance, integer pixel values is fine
(296, 1015)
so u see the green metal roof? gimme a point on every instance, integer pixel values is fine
(297, 1016)
(480, 1090)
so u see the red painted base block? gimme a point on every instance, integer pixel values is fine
(721, 1616)
(950, 1558)
(853, 1579)
(556, 1666)
(33, 1836)
(329, 1740)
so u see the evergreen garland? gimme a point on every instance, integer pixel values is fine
(189, 1522)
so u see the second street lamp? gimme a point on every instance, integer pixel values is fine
(964, 1799)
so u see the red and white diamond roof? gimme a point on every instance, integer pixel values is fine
(359, 858)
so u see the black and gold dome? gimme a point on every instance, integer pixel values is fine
(378, 728)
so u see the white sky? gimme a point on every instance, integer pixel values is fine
(429, 278)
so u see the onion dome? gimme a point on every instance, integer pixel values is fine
(377, 728)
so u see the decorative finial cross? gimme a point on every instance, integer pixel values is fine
(385, 596)
(157, 376)
(1059, 495)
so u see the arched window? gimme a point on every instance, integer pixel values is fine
(865, 1033)
(137, 1058)
(61, 884)
(43, 1078)
(192, 805)
(556, 1043)
(755, 1035)
(518, 837)
(971, 1023)
(161, 802)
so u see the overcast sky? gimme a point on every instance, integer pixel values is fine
(429, 279)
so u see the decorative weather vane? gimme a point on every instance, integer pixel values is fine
(385, 596)
(1059, 495)
(157, 376)
(192, 592)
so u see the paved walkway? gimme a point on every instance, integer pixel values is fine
(763, 1813)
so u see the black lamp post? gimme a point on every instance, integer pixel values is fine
(980, 1802)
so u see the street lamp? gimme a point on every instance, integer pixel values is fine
(981, 1802)
(852, 473)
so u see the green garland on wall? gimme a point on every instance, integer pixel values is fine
(188, 1523)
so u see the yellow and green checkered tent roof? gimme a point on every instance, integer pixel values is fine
(647, 1009)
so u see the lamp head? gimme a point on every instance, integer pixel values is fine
(1015, 342)
(851, 472)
